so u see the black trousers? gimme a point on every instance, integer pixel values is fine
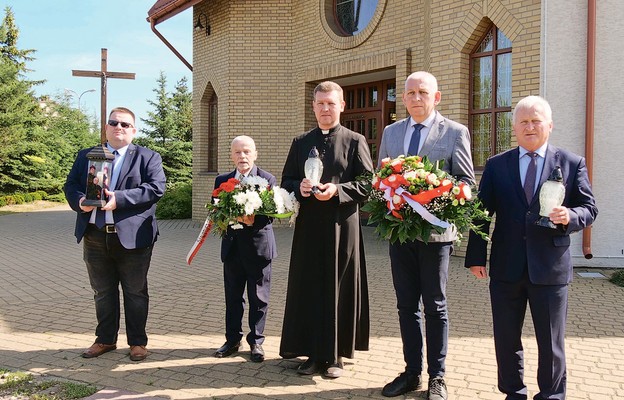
(420, 274)
(254, 274)
(110, 265)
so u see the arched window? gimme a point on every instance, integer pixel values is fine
(490, 96)
(213, 133)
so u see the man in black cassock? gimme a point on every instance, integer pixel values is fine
(326, 316)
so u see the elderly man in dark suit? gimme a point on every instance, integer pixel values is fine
(246, 254)
(530, 263)
(118, 238)
(419, 269)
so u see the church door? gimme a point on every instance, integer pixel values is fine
(369, 108)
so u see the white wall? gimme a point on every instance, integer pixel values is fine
(564, 38)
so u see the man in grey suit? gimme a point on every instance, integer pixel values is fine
(419, 269)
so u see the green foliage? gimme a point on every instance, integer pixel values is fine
(71, 390)
(182, 101)
(177, 158)
(172, 115)
(161, 121)
(405, 185)
(177, 202)
(25, 385)
(58, 197)
(169, 129)
(618, 278)
(21, 198)
(15, 379)
(39, 138)
(20, 114)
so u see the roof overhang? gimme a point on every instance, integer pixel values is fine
(162, 10)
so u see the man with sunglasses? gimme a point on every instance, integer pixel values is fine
(118, 238)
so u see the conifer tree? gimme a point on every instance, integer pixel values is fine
(169, 129)
(20, 113)
(182, 101)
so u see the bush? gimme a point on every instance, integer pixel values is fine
(618, 278)
(20, 198)
(59, 197)
(177, 203)
(40, 195)
(13, 199)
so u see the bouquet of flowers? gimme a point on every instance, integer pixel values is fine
(234, 199)
(412, 197)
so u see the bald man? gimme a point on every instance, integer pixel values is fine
(246, 254)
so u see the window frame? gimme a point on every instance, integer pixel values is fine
(493, 110)
(341, 29)
(212, 138)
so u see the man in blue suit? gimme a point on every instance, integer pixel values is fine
(246, 254)
(118, 238)
(530, 263)
(419, 269)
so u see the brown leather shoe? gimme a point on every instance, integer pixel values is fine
(97, 349)
(138, 353)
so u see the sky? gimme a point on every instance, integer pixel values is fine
(69, 35)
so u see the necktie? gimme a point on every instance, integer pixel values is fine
(415, 141)
(529, 178)
(100, 216)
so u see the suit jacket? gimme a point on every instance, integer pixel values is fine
(447, 140)
(256, 241)
(140, 185)
(517, 243)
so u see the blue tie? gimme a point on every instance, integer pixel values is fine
(415, 141)
(100, 216)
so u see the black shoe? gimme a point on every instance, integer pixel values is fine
(257, 353)
(437, 389)
(405, 382)
(309, 367)
(334, 370)
(227, 349)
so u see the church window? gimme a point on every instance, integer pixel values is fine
(490, 96)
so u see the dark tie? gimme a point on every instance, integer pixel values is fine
(529, 178)
(415, 141)
(100, 216)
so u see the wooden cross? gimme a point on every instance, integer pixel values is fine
(103, 74)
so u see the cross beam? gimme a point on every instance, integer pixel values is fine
(103, 74)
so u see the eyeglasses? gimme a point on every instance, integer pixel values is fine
(124, 125)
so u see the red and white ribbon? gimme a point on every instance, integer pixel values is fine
(389, 192)
(203, 234)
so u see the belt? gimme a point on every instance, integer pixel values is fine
(110, 228)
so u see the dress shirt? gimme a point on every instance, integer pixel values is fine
(524, 163)
(424, 132)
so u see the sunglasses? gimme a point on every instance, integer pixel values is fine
(124, 125)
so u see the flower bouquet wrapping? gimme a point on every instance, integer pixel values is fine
(411, 198)
(234, 199)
